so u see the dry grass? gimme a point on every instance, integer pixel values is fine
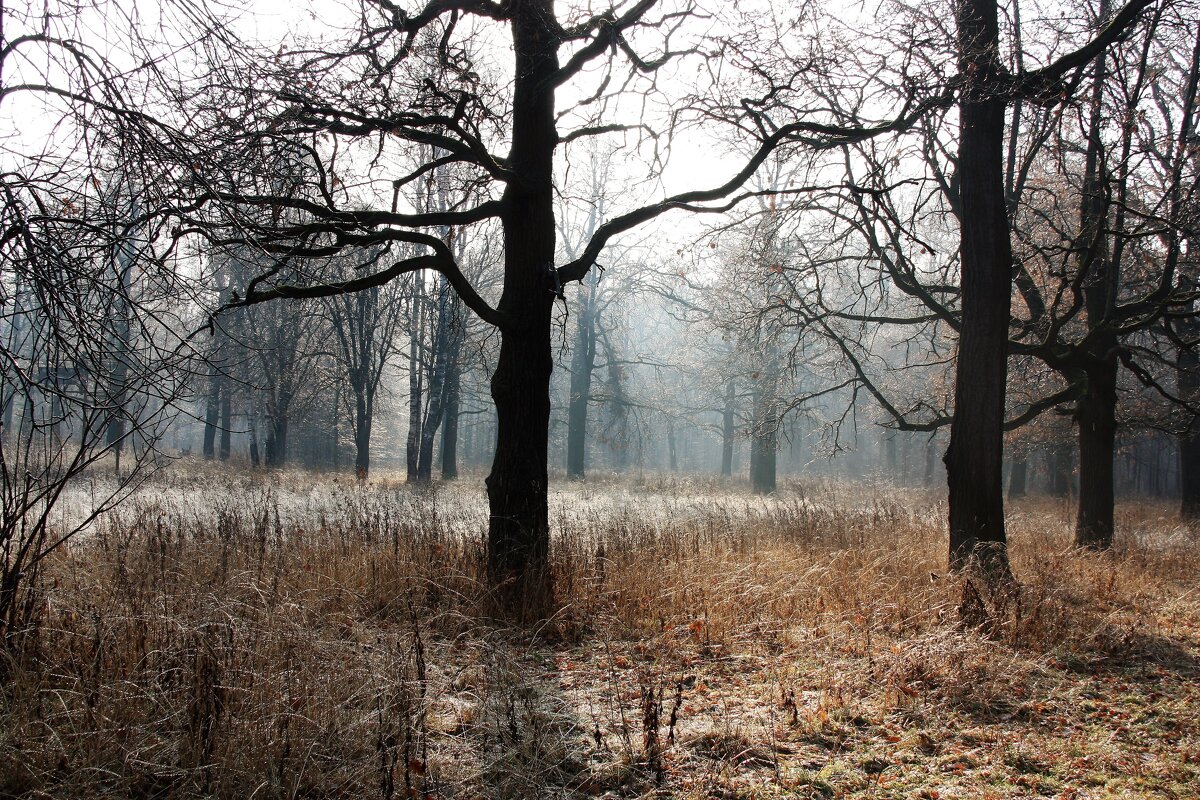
(292, 637)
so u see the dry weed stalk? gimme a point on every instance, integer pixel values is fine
(301, 639)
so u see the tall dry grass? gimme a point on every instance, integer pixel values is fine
(298, 637)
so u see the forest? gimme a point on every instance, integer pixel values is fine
(600, 398)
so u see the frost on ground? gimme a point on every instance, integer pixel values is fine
(228, 635)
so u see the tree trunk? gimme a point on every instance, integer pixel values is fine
(727, 430)
(469, 435)
(226, 421)
(416, 375)
(435, 407)
(1058, 472)
(764, 433)
(518, 543)
(583, 360)
(1018, 478)
(1096, 414)
(1188, 370)
(277, 440)
(362, 433)
(212, 414)
(1189, 442)
(1097, 435)
(617, 431)
(974, 457)
(450, 424)
(335, 434)
(255, 460)
(117, 390)
(763, 459)
(763, 438)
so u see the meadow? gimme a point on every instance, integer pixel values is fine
(284, 635)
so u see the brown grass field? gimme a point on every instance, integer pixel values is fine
(236, 636)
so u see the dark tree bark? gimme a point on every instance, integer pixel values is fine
(1097, 435)
(518, 530)
(1096, 414)
(1188, 379)
(277, 439)
(974, 457)
(1188, 329)
(363, 420)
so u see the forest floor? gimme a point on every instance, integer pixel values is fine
(292, 636)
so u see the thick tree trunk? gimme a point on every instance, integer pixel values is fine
(1096, 414)
(583, 361)
(727, 430)
(974, 457)
(1097, 436)
(518, 543)
(763, 460)
(1188, 374)
(1189, 442)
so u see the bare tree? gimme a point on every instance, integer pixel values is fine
(415, 78)
(366, 327)
(92, 365)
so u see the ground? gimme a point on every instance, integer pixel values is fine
(288, 636)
